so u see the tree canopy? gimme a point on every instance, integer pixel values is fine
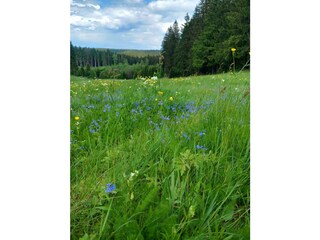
(204, 43)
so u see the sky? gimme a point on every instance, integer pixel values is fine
(125, 24)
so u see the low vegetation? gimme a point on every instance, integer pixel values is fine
(160, 158)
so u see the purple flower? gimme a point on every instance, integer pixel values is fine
(110, 187)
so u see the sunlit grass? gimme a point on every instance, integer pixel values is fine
(177, 152)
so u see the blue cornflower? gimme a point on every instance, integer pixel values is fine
(107, 107)
(202, 133)
(186, 136)
(201, 147)
(110, 187)
(164, 118)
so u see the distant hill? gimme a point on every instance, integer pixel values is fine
(133, 52)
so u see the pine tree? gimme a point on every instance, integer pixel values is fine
(169, 44)
(73, 62)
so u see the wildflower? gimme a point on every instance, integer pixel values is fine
(171, 98)
(201, 147)
(164, 118)
(233, 50)
(160, 93)
(110, 187)
(131, 196)
(132, 174)
(186, 136)
(77, 118)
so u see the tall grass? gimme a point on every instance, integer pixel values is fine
(180, 165)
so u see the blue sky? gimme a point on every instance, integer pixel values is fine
(129, 24)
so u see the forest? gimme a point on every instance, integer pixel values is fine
(202, 45)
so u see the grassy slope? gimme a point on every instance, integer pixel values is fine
(191, 156)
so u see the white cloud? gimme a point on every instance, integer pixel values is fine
(81, 5)
(128, 24)
(78, 4)
(172, 5)
(133, 1)
(97, 7)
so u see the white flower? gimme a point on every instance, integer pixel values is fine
(132, 174)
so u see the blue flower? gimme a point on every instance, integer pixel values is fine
(107, 107)
(110, 187)
(164, 118)
(186, 136)
(201, 147)
(202, 133)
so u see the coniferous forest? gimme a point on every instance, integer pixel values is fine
(201, 46)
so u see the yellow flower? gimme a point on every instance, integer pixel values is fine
(156, 99)
(171, 98)
(77, 118)
(233, 50)
(160, 93)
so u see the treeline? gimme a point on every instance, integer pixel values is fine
(119, 71)
(203, 45)
(82, 60)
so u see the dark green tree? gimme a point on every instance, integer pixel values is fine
(169, 45)
(73, 62)
(227, 25)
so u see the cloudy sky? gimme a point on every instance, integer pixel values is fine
(129, 24)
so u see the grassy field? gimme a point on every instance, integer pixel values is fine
(161, 159)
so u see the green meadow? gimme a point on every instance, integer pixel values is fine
(160, 158)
